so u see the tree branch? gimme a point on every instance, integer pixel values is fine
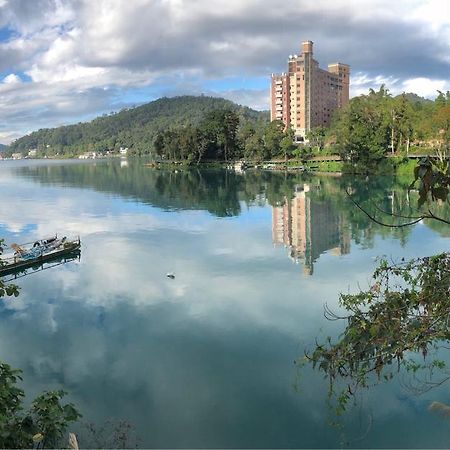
(382, 223)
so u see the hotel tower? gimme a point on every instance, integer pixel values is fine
(306, 96)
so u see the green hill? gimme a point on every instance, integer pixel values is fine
(415, 99)
(134, 128)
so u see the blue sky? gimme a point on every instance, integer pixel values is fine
(65, 61)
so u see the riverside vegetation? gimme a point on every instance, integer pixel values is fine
(197, 129)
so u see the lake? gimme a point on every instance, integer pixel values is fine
(204, 359)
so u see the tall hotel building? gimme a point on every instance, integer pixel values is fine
(306, 96)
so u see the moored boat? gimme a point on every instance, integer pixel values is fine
(37, 252)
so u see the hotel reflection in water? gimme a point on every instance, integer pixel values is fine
(309, 227)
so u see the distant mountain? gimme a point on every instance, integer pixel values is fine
(3, 148)
(134, 128)
(414, 98)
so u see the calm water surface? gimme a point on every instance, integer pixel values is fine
(205, 359)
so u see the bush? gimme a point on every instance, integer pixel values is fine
(43, 424)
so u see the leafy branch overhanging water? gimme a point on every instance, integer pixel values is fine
(405, 311)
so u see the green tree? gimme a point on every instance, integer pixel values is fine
(364, 130)
(158, 144)
(442, 124)
(246, 131)
(374, 124)
(287, 143)
(254, 147)
(273, 134)
(231, 123)
(442, 99)
(402, 123)
(316, 137)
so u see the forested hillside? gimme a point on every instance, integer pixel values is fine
(134, 128)
(198, 129)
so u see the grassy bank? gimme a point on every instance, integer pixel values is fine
(406, 168)
(402, 168)
(325, 166)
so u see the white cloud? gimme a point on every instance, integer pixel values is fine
(7, 136)
(12, 79)
(433, 13)
(31, 18)
(362, 82)
(254, 98)
(425, 87)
